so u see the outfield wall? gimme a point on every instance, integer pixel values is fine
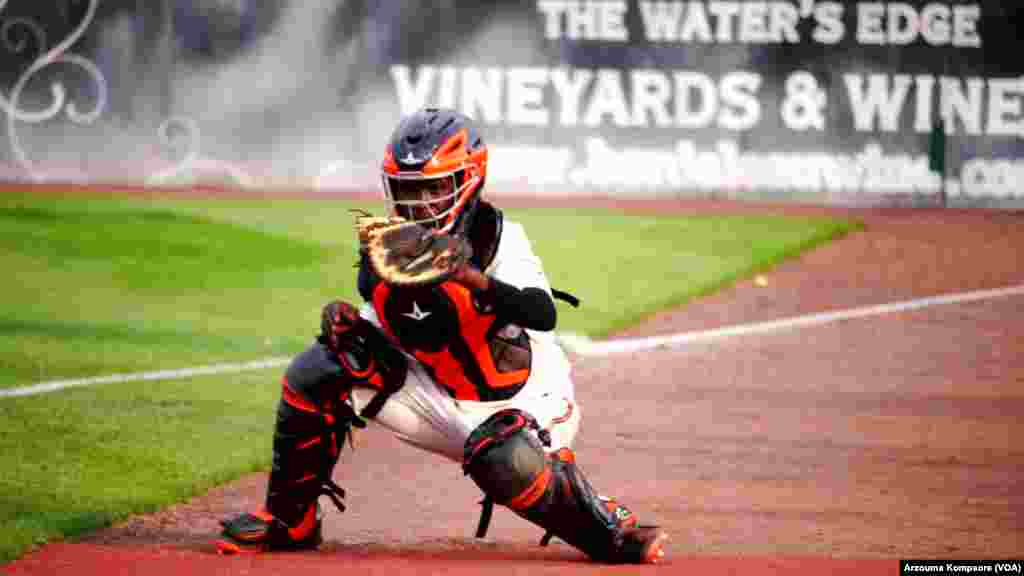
(838, 102)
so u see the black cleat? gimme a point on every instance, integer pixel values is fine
(262, 532)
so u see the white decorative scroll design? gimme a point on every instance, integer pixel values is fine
(59, 97)
(182, 133)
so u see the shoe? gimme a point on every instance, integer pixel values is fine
(642, 545)
(262, 532)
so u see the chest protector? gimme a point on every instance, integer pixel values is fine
(465, 348)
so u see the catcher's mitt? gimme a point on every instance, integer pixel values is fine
(367, 223)
(407, 254)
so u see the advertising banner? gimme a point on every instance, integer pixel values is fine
(839, 98)
(836, 101)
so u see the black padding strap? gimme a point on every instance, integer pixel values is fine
(374, 406)
(486, 512)
(332, 439)
(566, 297)
(334, 492)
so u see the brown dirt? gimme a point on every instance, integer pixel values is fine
(828, 449)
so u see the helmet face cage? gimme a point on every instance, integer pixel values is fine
(432, 200)
(434, 169)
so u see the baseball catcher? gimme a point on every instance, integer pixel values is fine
(453, 351)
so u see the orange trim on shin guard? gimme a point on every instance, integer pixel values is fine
(533, 492)
(304, 527)
(296, 400)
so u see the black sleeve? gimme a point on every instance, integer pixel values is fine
(367, 280)
(530, 307)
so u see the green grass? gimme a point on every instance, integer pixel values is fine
(109, 284)
(101, 286)
(624, 269)
(82, 458)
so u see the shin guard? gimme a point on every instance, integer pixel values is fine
(314, 417)
(306, 448)
(506, 460)
(311, 425)
(307, 443)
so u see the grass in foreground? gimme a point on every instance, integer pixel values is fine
(103, 284)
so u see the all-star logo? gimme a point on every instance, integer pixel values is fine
(416, 313)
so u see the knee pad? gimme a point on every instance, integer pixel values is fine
(505, 458)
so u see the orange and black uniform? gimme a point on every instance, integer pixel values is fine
(472, 343)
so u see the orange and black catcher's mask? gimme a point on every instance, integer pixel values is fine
(434, 169)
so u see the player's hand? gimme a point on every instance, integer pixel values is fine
(470, 277)
(338, 320)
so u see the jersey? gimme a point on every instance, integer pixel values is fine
(463, 342)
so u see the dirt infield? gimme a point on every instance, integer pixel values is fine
(838, 448)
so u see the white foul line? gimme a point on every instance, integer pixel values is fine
(56, 385)
(576, 344)
(583, 346)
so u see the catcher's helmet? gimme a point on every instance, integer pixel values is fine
(434, 169)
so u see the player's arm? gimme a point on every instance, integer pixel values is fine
(529, 307)
(514, 283)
